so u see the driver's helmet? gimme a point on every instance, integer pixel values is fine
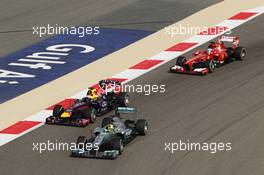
(219, 41)
(92, 93)
(110, 127)
(218, 45)
(209, 51)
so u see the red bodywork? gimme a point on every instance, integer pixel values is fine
(81, 122)
(74, 106)
(218, 53)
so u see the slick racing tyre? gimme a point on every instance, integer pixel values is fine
(106, 121)
(81, 141)
(123, 99)
(230, 54)
(211, 66)
(90, 114)
(141, 127)
(181, 60)
(57, 111)
(240, 53)
(118, 145)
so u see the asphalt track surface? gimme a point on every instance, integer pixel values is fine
(18, 17)
(226, 106)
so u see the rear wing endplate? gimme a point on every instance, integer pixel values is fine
(233, 39)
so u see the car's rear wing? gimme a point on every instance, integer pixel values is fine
(125, 110)
(106, 81)
(232, 39)
(110, 85)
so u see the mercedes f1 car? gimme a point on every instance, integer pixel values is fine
(205, 61)
(108, 141)
(84, 111)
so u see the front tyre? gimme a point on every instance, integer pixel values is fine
(142, 127)
(106, 121)
(91, 114)
(81, 142)
(181, 60)
(211, 66)
(123, 99)
(118, 145)
(57, 111)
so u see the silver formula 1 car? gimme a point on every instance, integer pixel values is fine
(108, 141)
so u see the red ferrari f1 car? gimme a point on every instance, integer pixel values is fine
(84, 111)
(217, 54)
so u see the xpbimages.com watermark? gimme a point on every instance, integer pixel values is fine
(188, 29)
(41, 147)
(64, 30)
(212, 147)
(146, 89)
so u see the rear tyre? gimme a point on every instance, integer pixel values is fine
(57, 111)
(181, 60)
(230, 54)
(211, 66)
(118, 145)
(142, 127)
(106, 121)
(171, 69)
(123, 99)
(240, 53)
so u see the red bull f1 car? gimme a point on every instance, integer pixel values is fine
(217, 54)
(84, 111)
